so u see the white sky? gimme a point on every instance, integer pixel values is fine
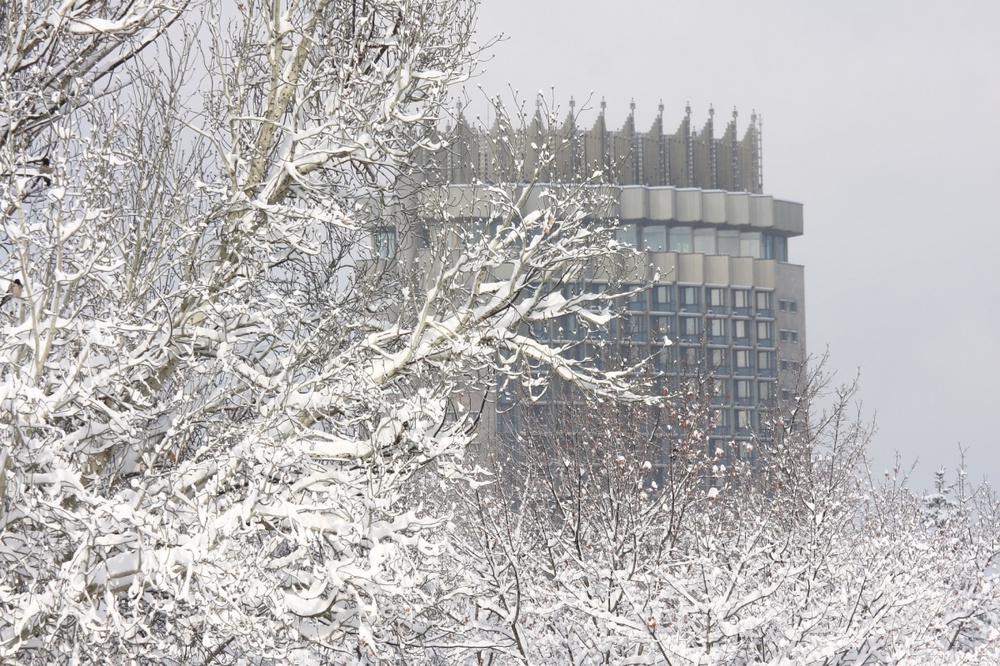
(879, 117)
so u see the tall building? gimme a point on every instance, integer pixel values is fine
(727, 297)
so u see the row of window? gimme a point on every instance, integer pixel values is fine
(658, 328)
(785, 335)
(791, 306)
(708, 240)
(687, 298)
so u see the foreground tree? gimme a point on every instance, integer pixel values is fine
(218, 381)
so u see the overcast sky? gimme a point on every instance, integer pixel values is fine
(881, 118)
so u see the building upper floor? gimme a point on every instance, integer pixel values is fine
(670, 219)
(543, 147)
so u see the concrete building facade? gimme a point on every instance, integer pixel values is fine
(728, 302)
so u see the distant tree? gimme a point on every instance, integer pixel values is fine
(581, 557)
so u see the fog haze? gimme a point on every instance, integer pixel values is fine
(879, 117)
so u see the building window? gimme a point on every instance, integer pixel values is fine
(568, 327)
(743, 389)
(384, 242)
(716, 296)
(750, 244)
(744, 419)
(741, 329)
(717, 359)
(765, 302)
(690, 326)
(741, 299)
(782, 305)
(794, 336)
(765, 391)
(661, 327)
(742, 358)
(689, 296)
(654, 238)
(634, 327)
(767, 247)
(636, 301)
(680, 239)
(704, 241)
(717, 328)
(729, 243)
(781, 249)
(765, 331)
(692, 357)
(595, 288)
(627, 234)
(786, 394)
(793, 306)
(664, 358)
(662, 297)
(423, 234)
(783, 335)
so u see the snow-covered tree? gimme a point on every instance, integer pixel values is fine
(586, 555)
(220, 376)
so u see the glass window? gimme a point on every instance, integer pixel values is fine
(568, 327)
(729, 242)
(781, 249)
(765, 331)
(689, 296)
(716, 296)
(704, 241)
(743, 389)
(744, 419)
(742, 358)
(767, 246)
(423, 234)
(741, 299)
(662, 297)
(750, 244)
(717, 358)
(782, 305)
(634, 327)
(786, 394)
(794, 336)
(661, 327)
(596, 304)
(741, 328)
(628, 234)
(793, 306)
(717, 328)
(691, 357)
(663, 358)
(654, 237)
(636, 301)
(680, 239)
(765, 360)
(783, 335)
(384, 242)
(765, 300)
(690, 326)
(765, 391)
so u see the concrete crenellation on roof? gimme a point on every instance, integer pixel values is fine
(688, 158)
